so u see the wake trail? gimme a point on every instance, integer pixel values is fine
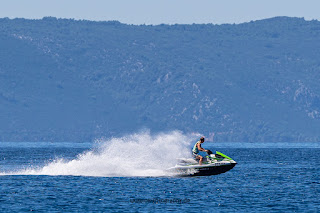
(140, 154)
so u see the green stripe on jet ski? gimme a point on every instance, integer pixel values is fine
(223, 155)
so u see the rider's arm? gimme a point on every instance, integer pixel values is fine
(200, 148)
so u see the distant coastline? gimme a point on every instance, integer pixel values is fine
(69, 80)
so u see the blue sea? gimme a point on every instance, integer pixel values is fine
(128, 175)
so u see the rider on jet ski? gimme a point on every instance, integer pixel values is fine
(196, 148)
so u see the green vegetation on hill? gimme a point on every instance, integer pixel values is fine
(68, 80)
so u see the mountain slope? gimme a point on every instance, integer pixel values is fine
(72, 80)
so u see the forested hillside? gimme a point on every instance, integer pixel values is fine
(67, 80)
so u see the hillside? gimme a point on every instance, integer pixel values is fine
(67, 80)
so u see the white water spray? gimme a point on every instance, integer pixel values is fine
(134, 155)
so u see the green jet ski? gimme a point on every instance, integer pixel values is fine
(212, 164)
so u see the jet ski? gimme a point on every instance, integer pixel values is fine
(212, 164)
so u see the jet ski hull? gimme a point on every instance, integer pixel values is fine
(214, 170)
(212, 165)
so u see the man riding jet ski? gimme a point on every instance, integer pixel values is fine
(212, 164)
(196, 148)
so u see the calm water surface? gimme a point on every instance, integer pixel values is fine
(268, 178)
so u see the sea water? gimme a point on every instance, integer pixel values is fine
(128, 174)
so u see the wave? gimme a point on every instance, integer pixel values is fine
(140, 154)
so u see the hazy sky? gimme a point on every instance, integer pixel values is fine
(162, 11)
